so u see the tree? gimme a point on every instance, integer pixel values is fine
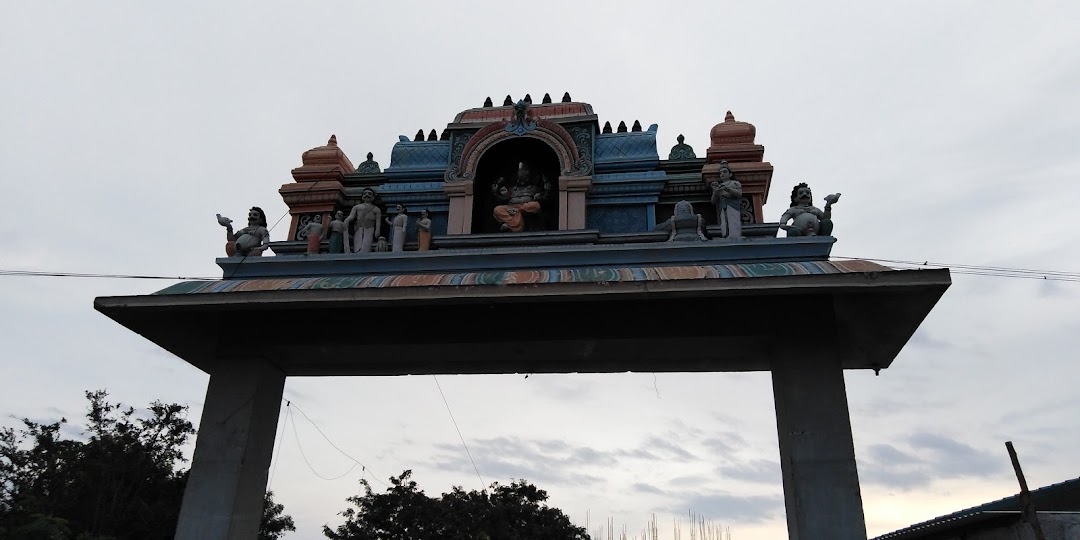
(123, 480)
(274, 522)
(516, 511)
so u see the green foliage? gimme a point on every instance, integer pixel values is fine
(274, 523)
(516, 511)
(121, 482)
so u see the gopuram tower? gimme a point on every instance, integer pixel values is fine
(520, 212)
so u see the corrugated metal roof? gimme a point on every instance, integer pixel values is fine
(1061, 497)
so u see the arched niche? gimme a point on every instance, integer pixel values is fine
(573, 175)
(501, 161)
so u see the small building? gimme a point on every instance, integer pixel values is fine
(1057, 507)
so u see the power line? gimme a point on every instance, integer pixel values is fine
(42, 273)
(316, 473)
(483, 485)
(355, 461)
(978, 270)
(965, 269)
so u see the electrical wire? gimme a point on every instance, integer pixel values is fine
(316, 473)
(483, 485)
(977, 270)
(355, 461)
(93, 275)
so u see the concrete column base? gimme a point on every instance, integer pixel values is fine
(817, 455)
(225, 489)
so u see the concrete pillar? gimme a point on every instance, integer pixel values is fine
(225, 488)
(817, 455)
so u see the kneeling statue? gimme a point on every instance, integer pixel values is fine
(684, 225)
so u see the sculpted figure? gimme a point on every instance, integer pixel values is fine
(337, 233)
(249, 241)
(381, 246)
(397, 234)
(807, 219)
(423, 231)
(727, 196)
(684, 225)
(314, 230)
(368, 220)
(523, 195)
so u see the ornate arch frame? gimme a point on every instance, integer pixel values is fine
(575, 176)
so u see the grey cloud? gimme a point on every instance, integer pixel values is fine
(759, 470)
(884, 453)
(546, 460)
(922, 338)
(931, 456)
(656, 443)
(724, 444)
(952, 458)
(687, 481)
(647, 488)
(727, 507)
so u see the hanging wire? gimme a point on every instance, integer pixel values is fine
(316, 473)
(355, 461)
(483, 485)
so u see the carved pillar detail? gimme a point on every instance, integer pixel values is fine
(572, 191)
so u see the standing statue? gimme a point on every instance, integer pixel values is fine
(684, 225)
(314, 230)
(806, 219)
(249, 241)
(524, 195)
(368, 220)
(727, 196)
(337, 233)
(397, 233)
(423, 231)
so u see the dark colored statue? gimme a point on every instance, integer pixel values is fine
(522, 196)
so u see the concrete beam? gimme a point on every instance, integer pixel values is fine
(224, 495)
(817, 455)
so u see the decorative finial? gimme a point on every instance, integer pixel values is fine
(444, 136)
(528, 99)
(419, 135)
(370, 156)
(622, 127)
(332, 141)
(433, 136)
(487, 102)
(680, 138)
(508, 102)
(729, 117)
(547, 99)
(637, 126)
(566, 97)
(607, 127)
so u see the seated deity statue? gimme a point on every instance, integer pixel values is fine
(522, 196)
(807, 219)
(249, 241)
(684, 225)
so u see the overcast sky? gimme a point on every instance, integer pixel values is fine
(951, 128)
